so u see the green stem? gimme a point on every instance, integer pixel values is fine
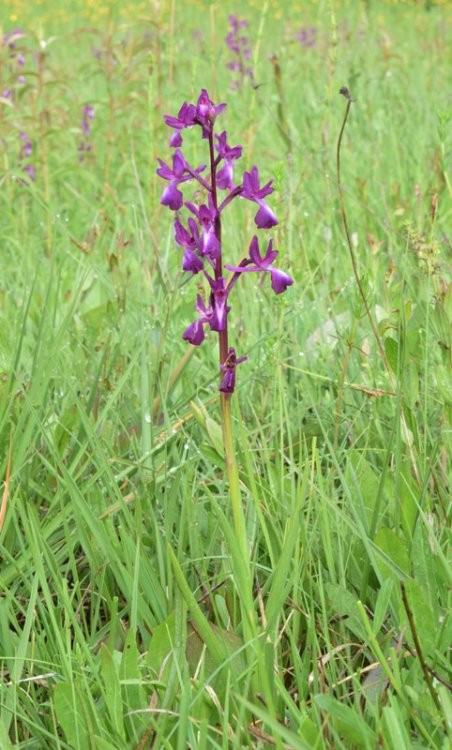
(233, 478)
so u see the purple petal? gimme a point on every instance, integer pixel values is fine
(194, 333)
(265, 218)
(228, 382)
(280, 281)
(224, 177)
(172, 197)
(179, 163)
(191, 262)
(164, 171)
(254, 251)
(176, 139)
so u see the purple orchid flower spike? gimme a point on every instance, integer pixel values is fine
(189, 240)
(201, 237)
(279, 280)
(195, 332)
(240, 49)
(265, 218)
(207, 113)
(88, 114)
(228, 369)
(229, 154)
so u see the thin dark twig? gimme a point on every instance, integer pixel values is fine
(345, 92)
(417, 645)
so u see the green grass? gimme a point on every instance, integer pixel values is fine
(128, 615)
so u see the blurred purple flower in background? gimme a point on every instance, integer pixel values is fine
(239, 47)
(85, 145)
(306, 37)
(14, 59)
(26, 151)
(201, 237)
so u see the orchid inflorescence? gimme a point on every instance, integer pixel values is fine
(240, 50)
(201, 239)
(85, 145)
(16, 59)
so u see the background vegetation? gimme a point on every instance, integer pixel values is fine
(116, 542)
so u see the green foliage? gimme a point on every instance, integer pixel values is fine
(127, 617)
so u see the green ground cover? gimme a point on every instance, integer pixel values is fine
(131, 615)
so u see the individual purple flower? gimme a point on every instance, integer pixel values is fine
(229, 154)
(265, 218)
(306, 37)
(228, 369)
(184, 119)
(279, 280)
(195, 332)
(15, 58)
(189, 240)
(209, 245)
(30, 171)
(26, 151)
(181, 172)
(85, 146)
(88, 114)
(207, 112)
(10, 38)
(218, 302)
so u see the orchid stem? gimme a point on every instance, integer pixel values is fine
(233, 477)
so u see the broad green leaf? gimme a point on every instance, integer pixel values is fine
(395, 562)
(423, 562)
(397, 735)
(365, 488)
(199, 413)
(347, 721)
(424, 621)
(162, 643)
(100, 744)
(231, 644)
(215, 434)
(343, 602)
(133, 694)
(66, 428)
(310, 732)
(392, 352)
(73, 715)
(112, 689)
(381, 606)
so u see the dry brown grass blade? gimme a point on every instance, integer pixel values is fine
(6, 490)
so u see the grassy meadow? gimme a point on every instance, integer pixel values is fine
(133, 615)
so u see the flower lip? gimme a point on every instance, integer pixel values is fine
(265, 218)
(279, 280)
